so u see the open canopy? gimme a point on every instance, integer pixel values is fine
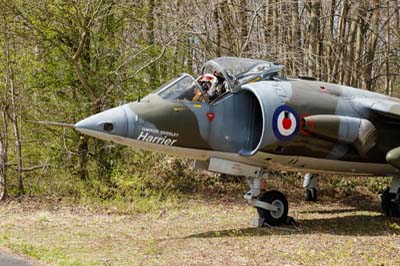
(238, 71)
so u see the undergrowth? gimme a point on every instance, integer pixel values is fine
(144, 181)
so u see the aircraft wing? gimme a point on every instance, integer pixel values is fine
(384, 107)
(360, 132)
(387, 109)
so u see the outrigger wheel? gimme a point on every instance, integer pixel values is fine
(390, 203)
(278, 200)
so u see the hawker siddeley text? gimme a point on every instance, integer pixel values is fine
(163, 139)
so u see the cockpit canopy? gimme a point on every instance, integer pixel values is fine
(235, 71)
(239, 71)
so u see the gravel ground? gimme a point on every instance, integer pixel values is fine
(203, 232)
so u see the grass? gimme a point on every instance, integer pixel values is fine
(129, 207)
(213, 228)
(200, 232)
(50, 255)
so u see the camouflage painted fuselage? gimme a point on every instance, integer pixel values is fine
(288, 124)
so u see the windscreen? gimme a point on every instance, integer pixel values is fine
(183, 88)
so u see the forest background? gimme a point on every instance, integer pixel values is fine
(65, 60)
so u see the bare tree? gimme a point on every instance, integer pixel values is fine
(371, 44)
(3, 149)
(10, 86)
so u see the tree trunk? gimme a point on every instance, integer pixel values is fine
(17, 136)
(227, 27)
(3, 153)
(360, 37)
(275, 29)
(14, 112)
(338, 66)
(150, 39)
(218, 51)
(296, 39)
(388, 88)
(318, 40)
(328, 37)
(396, 19)
(313, 45)
(242, 16)
(349, 59)
(83, 157)
(371, 45)
(4, 129)
(397, 42)
(268, 21)
(3, 169)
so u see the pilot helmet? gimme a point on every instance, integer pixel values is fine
(207, 81)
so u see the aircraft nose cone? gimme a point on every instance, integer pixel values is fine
(110, 122)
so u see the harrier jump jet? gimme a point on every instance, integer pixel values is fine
(241, 118)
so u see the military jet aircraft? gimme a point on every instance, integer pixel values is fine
(241, 118)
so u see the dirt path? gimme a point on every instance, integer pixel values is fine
(9, 259)
(201, 233)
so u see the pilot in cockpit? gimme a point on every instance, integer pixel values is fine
(207, 84)
(211, 85)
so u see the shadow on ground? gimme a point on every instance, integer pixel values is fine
(366, 201)
(354, 225)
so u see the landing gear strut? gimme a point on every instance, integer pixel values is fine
(272, 206)
(390, 199)
(310, 185)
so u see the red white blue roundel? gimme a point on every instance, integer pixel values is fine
(285, 123)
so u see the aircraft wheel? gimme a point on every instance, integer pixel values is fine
(278, 200)
(390, 206)
(311, 194)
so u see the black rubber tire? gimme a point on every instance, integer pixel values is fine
(311, 194)
(389, 207)
(276, 198)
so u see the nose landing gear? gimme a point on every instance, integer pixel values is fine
(279, 201)
(272, 206)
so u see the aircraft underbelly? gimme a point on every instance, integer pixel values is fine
(323, 165)
(269, 161)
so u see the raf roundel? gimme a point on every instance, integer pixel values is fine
(285, 123)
